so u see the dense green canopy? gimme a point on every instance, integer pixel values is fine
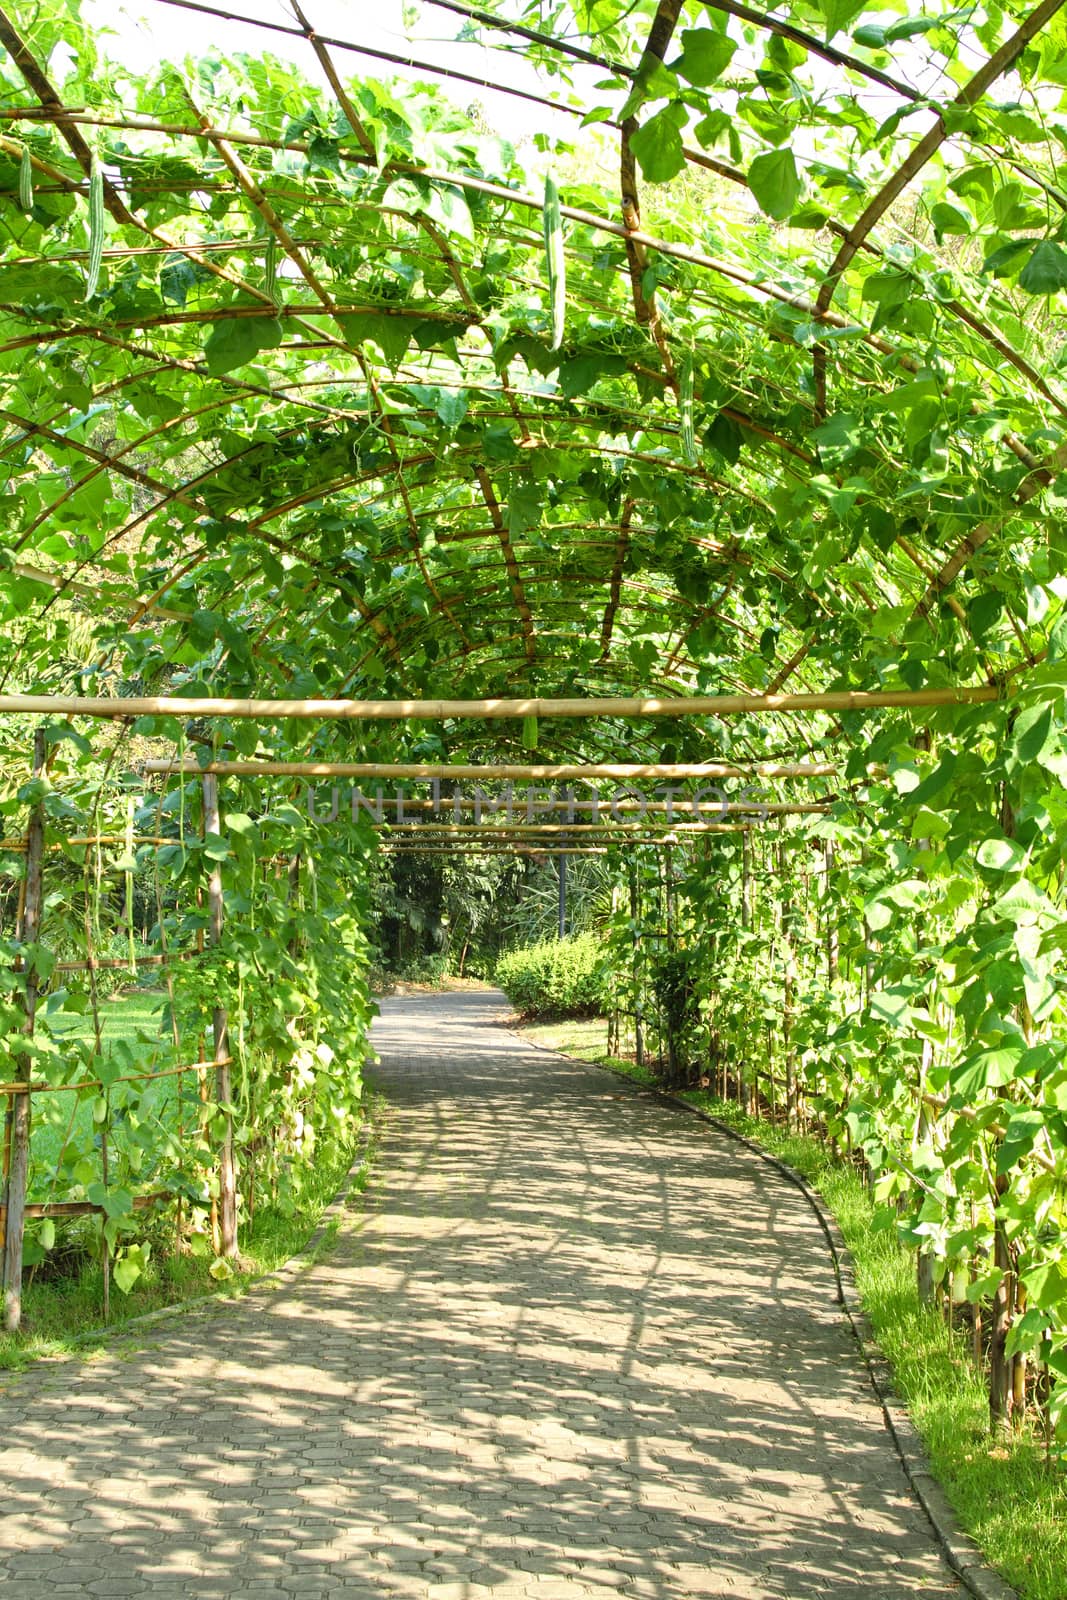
(743, 373)
(305, 387)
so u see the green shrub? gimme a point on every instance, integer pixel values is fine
(557, 978)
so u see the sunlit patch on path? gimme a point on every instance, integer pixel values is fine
(578, 1345)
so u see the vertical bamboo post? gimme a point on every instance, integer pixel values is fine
(833, 940)
(785, 893)
(635, 913)
(1000, 1365)
(746, 883)
(220, 1030)
(17, 1142)
(105, 1251)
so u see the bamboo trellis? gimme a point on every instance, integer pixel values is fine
(495, 709)
(19, 1094)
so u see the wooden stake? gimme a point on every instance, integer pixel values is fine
(223, 1093)
(19, 1112)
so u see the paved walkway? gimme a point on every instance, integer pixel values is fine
(579, 1345)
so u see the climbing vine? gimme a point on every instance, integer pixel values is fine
(754, 383)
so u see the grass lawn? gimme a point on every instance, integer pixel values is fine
(63, 1297)
(132, 1028)
(62, 1312)
(1005, 1495)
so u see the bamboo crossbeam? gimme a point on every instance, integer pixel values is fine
(85, 1208)
(622, 770)
(16, 845)
(551, 830)
(494, 709)
(99, 963)
(501, 849)
(598, 803)
(42, 1086)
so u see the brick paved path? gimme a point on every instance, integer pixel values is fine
(580, 1344)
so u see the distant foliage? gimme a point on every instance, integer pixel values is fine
(556, 978)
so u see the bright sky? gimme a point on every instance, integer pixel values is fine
(143, 32)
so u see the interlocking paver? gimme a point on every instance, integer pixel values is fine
(576, 1347)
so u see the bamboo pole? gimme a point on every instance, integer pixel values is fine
(99, 963)
(546, 851)
(17, 845)
(227, 1178)
(492, 709)
(85, 1208)
(417, 770)
(18, 1118)
(551, 830)
(42, 1086)
(597, 804)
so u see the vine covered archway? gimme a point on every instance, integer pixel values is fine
(317, 389)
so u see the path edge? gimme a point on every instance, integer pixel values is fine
(958, 1547)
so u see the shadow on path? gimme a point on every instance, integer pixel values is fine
(578, 1344)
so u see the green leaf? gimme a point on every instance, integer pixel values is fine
(840, 14)
(891, 1005)
(240, 822)
(392, 335)
(1045, 1284)
(1006, 259)
(838, 438)
(1019, 1139)
(1000, 855)
(1032, 734)
(237, 340)
(985, 1286)
(657, 146)
(325, 154)
(935, 781)
(578, 375)
(775, 183)
(524, 507)
(948, 218)
(556, 260)
(130, 1265)
(1046, 270)
(724, 437)
(57, 732)
(1057, 639)
(1022, 902)
(1027, 1333)
(988, 1069)
(125, 1273)
(706, 53)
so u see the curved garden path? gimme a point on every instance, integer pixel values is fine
(577, 1344)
